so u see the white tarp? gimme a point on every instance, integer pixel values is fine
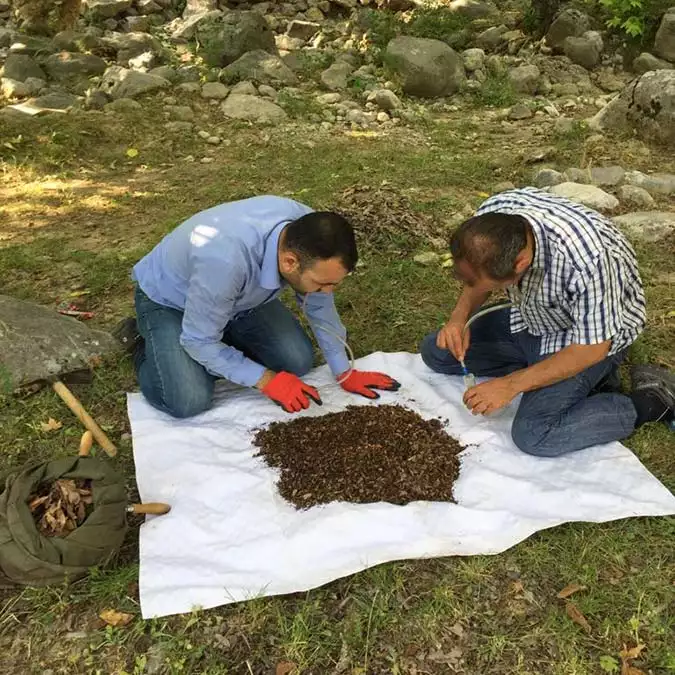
(231, 537)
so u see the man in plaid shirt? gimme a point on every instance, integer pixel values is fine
(578, 305)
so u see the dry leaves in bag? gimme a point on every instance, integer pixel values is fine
(60, 507)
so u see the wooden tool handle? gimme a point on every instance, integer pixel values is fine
(86, 443)
(84, 417)
(153, 508)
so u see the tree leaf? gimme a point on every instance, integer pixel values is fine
(114, 618)
(632, 653)
(51, 425)
(609, 664)
(570, 589)
(575, 614)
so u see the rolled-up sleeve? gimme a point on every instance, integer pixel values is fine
(209, 306)
(323, 317)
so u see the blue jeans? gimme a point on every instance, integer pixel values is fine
(554, 420)
(174, 382)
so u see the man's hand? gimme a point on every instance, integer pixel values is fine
(363, 382)
(288, 391)
(454, 338)
(491, 396)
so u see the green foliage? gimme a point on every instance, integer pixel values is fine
(496, 91)
(311, 63)
(608, 664)
(628, 15)
(298, 106)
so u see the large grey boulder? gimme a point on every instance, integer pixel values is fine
(646, 62)
(427, 68)
(336, 76)
(20, 67)
(195, 7)
(261, 67)
(132, 45)
(100, 10)
(252, 109)
(649, 226)
(37, 343)
(473, 9)
(569, 23)
(664, 43)
(646, 105)
(655, 183)
(588, 195)
(584, 50)
(69, 65)
(121, 82)
(223, 38)
(525, 79)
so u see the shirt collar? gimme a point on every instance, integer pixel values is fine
(540, 244)
(269, 270)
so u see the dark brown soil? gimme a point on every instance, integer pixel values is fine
(364, 454)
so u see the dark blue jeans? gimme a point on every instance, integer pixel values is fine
(174, 382)
(554, 420)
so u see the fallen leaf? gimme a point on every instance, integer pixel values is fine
(51, 425)
(114, 618)
(570, 589)
(132, 152)
(632, 653)
(576, 616)
(517, 586)
(286, 667)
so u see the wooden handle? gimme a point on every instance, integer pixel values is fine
(84, 417)
(153, 508)
(86, 443)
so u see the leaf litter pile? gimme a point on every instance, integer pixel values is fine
(364, 454)
(61, 506)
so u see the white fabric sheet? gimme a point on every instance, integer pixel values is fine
(231, 537)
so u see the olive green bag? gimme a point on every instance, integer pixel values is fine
(29, 558)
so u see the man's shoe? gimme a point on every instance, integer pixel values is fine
(126, 333)
(653, 393)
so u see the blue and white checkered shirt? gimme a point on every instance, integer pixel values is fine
(583, 286)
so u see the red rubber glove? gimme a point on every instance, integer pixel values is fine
(290, 392)
(362, 382)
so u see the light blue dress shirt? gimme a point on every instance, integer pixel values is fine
(221, 262)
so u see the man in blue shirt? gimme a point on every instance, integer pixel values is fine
(207, 306)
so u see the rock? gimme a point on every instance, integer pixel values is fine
(502, 187)
(196, 7)
(548, 178)
(68, 66)
(144, 62)
(37, 343)
(656, 183)
(427, 68)
(288, 44)
(473, 9)
(648, 226)
(584, 50)
(253, 109)
(214, 90)
(328, 99)
(123, 105)
(357, 117)
(20, 67)
(146, 7)
(631, 195)
(99, 10)
(491, 38)
(664, 43)
(131, 45)
(120, 82)
(525, 79)
(167, 72)
(607, 176)
(569, 23)
(474, 59)
(223, 39)
(314, 14)
(609, 82)
(261, 67)
(178, 126)
(337, 76)
(56, 100)
(138, 24)
(520, 111)
(384, 99)
(181, 113)
(266, 90)
(589, 195)
(245, 88)
(186, 29)
(427, 258)
(189, 87)
(575, 175)
(303, 30)
(6, 37)
(382, 117)
(646, 105)
(95, 99)
(14, 89)
(646, 62)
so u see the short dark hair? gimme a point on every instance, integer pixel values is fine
(321, 235)
(490, 243)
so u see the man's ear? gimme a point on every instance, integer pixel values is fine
(522, 262)
(289, 262)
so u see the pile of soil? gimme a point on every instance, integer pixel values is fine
(363, 454)
(61, 506)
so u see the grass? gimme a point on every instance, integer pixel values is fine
(81, 213)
